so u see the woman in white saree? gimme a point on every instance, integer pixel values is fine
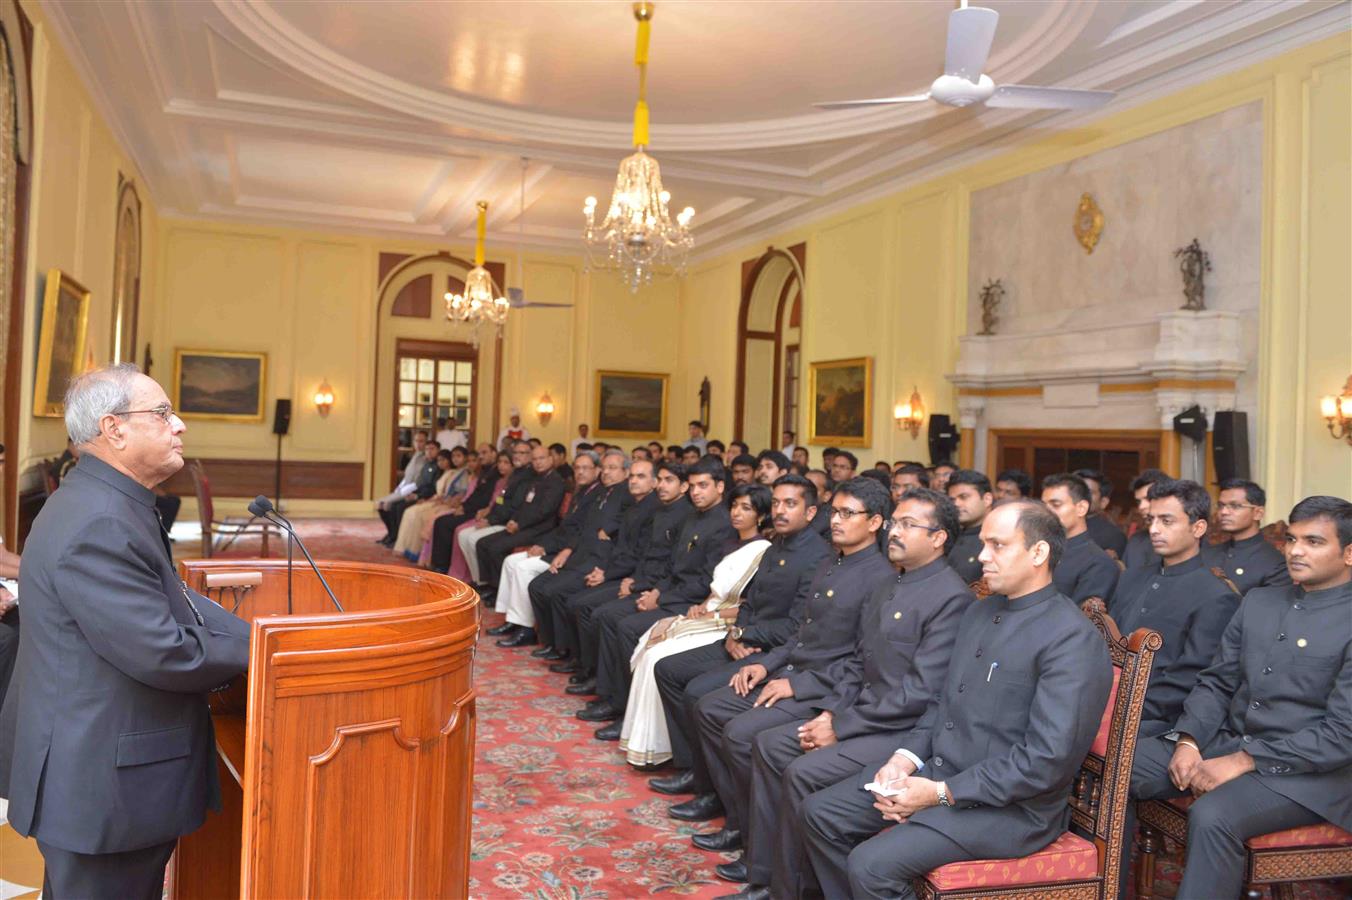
(644, 737)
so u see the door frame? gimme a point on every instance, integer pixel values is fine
(458, 351)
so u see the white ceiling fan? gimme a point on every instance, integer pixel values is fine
(971, 30)
(516, 297)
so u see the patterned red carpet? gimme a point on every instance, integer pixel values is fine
(558, 815)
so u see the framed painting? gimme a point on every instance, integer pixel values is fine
(61, 342)
(631, 405)
(840, 411)
(219, 384)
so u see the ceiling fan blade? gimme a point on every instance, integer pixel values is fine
(1024, 96)
(531, 304)
(877, 101)
(971, 30)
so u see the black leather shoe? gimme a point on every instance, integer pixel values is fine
(733, 871)
(721, 841)
(504, 628)
(541, 652)
(750, 892)
(603, 713)
(567, 667)
(554, 655)
(680, 783)
(703, 808)
(582, 688)
(599, 701)
(523, 638)
(611, 732)
(581, 675)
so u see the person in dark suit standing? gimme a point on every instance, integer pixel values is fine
(1265, 739)
(987, 772)
(970, 492)
(1245, 556)
(113, 751)
(1086, 570)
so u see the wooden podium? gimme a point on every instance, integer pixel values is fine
(346, 760)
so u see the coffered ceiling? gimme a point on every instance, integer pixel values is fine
(394, 117)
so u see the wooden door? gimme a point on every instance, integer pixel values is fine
(1121, 455)
(432, 380)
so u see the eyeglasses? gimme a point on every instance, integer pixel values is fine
(166, 413)
(909, 523)
(845, 515)
(1235, 507)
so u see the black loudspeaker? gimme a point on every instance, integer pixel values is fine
(281, 419)
(943, 438)
(1191, 423)
(1230, 445)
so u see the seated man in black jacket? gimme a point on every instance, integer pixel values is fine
(1245, 556)
(988, 770)
(1265, 739)
(489, 466)
(970, 492)
(537, 515)
(1086, 570)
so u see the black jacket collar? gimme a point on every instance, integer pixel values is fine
(96, 468)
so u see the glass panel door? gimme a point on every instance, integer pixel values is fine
(433, 380)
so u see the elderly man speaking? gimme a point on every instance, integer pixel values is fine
(113, 749)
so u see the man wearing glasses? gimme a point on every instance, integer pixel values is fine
(1245, 556)
(113, 751)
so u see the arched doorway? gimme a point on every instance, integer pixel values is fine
(427, 367)
(769, 364)
(126, 272)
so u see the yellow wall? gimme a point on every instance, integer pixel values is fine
(887, 278)
(72, 221)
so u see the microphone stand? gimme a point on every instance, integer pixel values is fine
(291, 532)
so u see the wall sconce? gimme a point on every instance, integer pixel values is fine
(1337, 412)
(911, 414)
(324, 397)
(544, 409)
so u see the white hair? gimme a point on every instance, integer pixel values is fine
(624, 457)
(96, 394)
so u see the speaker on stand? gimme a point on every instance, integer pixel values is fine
(943, 439)
(281, 424)
(1230, 445)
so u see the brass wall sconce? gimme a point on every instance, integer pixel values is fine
(324, 397)
(1337, 413)
(911, 414)
(544, 409)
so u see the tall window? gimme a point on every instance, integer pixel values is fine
(434, 380)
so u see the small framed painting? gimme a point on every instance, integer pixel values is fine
(220, 384)
(631, 405)
(841, 402)
(61, 342)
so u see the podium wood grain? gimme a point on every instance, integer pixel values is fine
(347, 759)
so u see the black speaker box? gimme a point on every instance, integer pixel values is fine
(1191, 423)
(281, 419)
(943, 438)
(1230, 445)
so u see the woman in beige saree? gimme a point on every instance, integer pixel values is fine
(644, 735)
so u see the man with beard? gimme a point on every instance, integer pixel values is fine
(1245, 555)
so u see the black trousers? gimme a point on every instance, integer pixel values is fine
(553, 589)
(619, 630)
(1219, 822)
(495, 549)
(682, 680)
(130, 875)
(9, 648)
(582, 611)
(850, 856)
(392, 515)
(727, 726)
(443, 539)
(782, 777)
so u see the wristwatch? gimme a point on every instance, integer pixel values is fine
(943, 794)
(736, 632)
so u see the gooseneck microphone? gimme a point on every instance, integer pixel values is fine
(263, 508)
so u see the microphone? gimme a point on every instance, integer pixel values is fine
(263, 508)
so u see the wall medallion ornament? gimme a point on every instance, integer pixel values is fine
(991, 294)
(1088, 223)
(1193, 263)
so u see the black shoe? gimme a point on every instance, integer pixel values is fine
(523, 638)
(581, 675)
(611, 732)
(603, 713)
(681, 783)
(488, 595)
(540, 652)
(599, 701)
(554, 655)
(703, 808)
(386, 542)
(582, 688)
(721, 841)
(750, 892)
(733, 871)
(567, 667)
(504, 628)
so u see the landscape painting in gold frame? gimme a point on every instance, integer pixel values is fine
(840, 402)
(631, 405)
(61, 342)
(220, 385)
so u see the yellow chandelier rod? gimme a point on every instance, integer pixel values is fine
(482, 230)
(643, 12)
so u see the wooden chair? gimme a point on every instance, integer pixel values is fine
(47, 471)
(1072, 867)
(218, 534)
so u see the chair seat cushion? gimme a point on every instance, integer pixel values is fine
(1068, 858)
(1322, 835)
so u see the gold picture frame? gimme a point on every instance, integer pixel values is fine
(61, 342)
(626, 406)
(843, 415)
(220, 385)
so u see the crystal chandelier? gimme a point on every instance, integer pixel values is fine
(637, 232)
(478, 306)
